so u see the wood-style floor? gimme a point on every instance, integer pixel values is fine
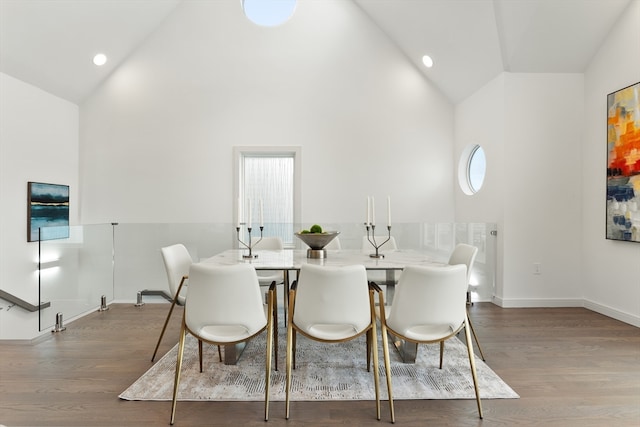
(571, 367)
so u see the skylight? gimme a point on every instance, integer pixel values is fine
(269, 13)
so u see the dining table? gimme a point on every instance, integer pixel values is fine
(291, 260)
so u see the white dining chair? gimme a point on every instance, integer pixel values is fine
(334, 304)
(224, 307)
(466, 254)
(177, 262)
(430, 306)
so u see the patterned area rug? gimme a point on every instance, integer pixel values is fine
(323, 372)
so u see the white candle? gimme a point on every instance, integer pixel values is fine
(261, 214)
(239, 208)
(373, 211)
(389, 211)
(368, 221)
(248, 213)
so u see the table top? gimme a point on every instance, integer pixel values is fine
(293, 259)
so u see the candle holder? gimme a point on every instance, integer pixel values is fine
(251, 244)
(372, 239)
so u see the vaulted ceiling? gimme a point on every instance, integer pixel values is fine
(47, 42)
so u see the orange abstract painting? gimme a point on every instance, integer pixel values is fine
(623, 164)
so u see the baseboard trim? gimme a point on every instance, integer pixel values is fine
(537, 302)
(569, 302)
(613, 313)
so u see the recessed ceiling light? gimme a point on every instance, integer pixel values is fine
(427, 61)
(100, 59)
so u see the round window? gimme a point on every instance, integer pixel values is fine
(472, 169)
(268, 13)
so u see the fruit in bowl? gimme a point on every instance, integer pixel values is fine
(316, 238)
(315, 228)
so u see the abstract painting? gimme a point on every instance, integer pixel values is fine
(47, 206)
(623, 164)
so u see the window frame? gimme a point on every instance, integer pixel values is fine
(472, 155)
(240, 152)
(464, 169)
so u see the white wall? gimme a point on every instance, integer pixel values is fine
(611, 277)
(157, 137)
(542, 173)
(479, 120)
(545, 138)
(38, 142)
(530, 126)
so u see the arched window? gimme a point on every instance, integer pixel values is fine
(472, 169)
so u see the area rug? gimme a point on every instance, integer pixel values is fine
(323, 372)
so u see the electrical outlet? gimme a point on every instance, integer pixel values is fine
(537, 268)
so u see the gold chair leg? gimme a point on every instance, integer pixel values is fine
(166, 322)
(369, 338)
(475, 337)
(176, 381)
(285, 297)
(275, 346)
(387, 367)
(267, 373)
(274, 309)
(385, 351)
(164, 328)
(472, 363)
(289, 357)
(376, 372)
(294, 340)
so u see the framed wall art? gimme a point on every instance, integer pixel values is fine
(47, 206)
(623, 164)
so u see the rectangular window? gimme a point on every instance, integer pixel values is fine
(270, 175)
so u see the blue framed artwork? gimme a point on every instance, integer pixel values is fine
(47, 206)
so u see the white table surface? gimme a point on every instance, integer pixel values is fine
(293, 259)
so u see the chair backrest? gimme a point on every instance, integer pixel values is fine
(389, 246)
(464, 254)
(428, 295)
(332, 295)
(176, 263)
(267, 243)
(224, 295)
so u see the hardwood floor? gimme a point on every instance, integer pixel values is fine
(571, 367)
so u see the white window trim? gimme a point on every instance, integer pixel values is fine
(240, 151)
(464, 179)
